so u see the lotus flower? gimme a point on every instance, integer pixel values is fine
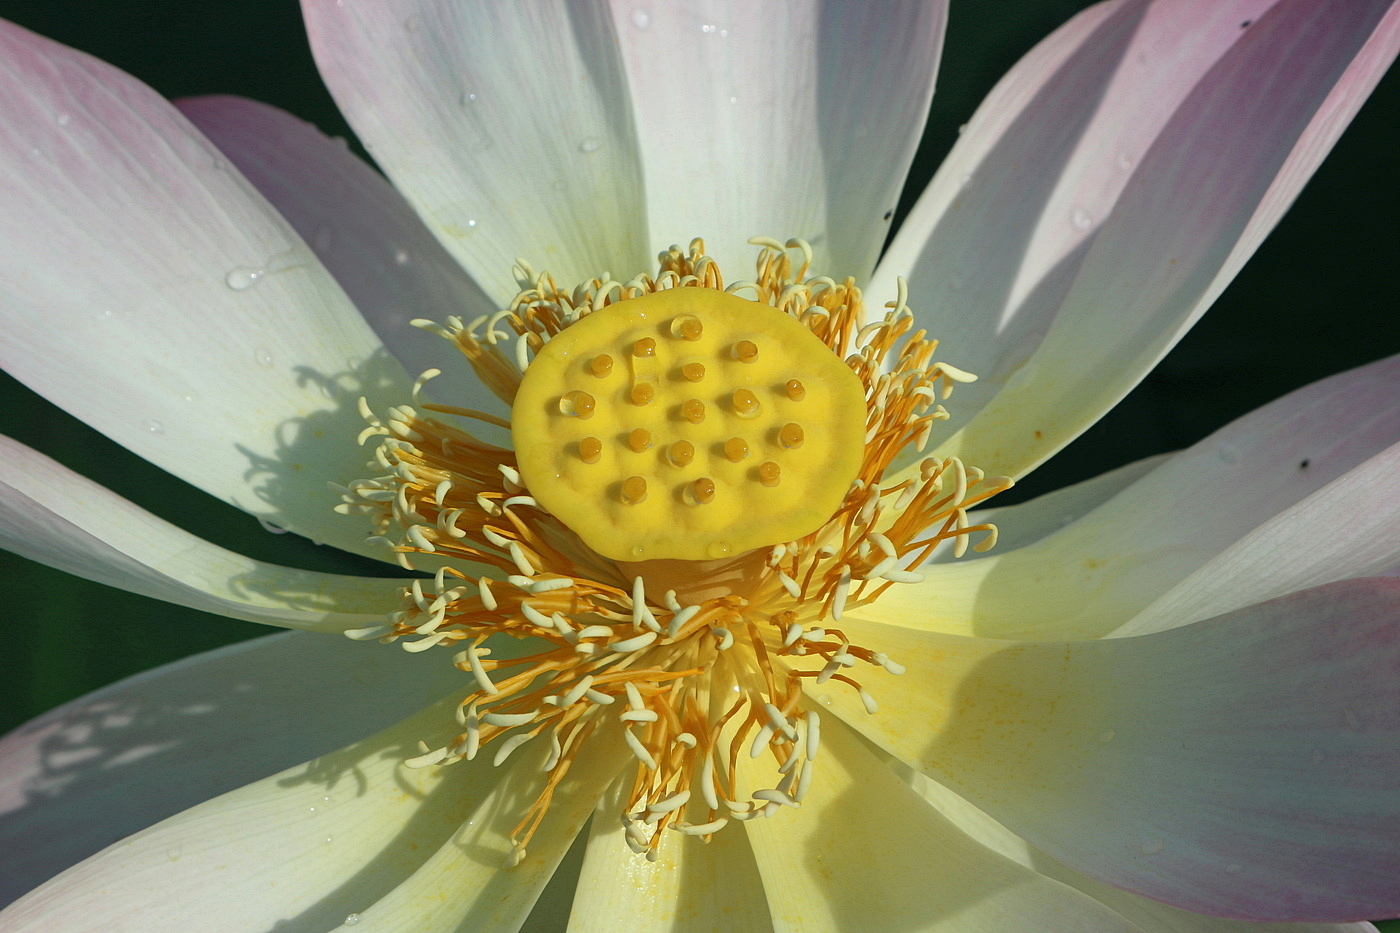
(789, 679)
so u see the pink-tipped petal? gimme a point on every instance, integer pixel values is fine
(507, 127)
(52, 515)
(360, 228)
(1244, 766)
(759, 119)
(1118, 181)
(1283, 491)
(147, 288)
(84, 775)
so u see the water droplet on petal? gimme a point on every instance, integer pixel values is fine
(1107, 735)
(962, 129)
(1228, 454)
(1082, 219)
(155, 427)
(401, 257)
(63, 119)
(641, 18)
(591, 144)
(467, 97)
(352, 919)
(1125, 161)
(263, 357)
(242, 278)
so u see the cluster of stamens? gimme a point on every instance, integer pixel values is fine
(697, 662)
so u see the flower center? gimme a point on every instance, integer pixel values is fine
(689, 424)
(697, 494)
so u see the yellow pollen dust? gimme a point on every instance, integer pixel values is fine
(706, 381)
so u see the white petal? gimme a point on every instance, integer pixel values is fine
(52, 515)
(1349, 528)
(1148, 914)
(778, 119)
(690, 886)
(84, 775)
(508, 128)
(865, 852)
(1079, 274)
(308, 846)
(1244, 766)
(1239, 485)
(360, 228)
(149, 289)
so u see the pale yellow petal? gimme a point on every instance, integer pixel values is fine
(465, 884)
(866, 853)
(691, 886)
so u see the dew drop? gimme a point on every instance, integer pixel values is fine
(466, 98)
(190, 396)
(328, 840)
(965, 181)
(641, 18)
(264, 357)
(1125, 161)
(1082, 218)
(242, 278)
(733, 99)
(352, 919)
(154, 427)
(1228, 454)
(1152, 847)
(310, 809)
(962, 129)
(590, 144)
(401, 257)
(1107, 735)
(63, 119)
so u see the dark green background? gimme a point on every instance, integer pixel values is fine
(1321, 296)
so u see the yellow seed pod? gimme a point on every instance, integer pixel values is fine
(699, 415)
